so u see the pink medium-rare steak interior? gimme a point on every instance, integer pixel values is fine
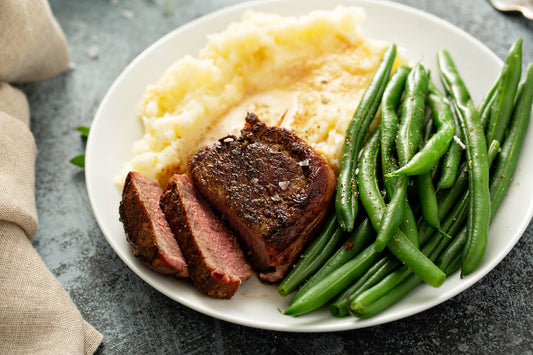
(273, 189)
(216, 263)
(146, 228)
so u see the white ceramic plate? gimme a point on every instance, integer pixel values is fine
(115, 128)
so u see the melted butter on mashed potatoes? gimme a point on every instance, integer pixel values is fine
(304, 73)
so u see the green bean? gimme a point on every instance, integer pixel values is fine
(426, 158)
(369, 191)
(409, 134)
(502, 107)
(332, 284)
(455, 222)
(374, 205)
(392, 216)
(313, 257)
(506, 164)
(408, 226)
(346, 195)
(389, 126)
(447, 197)
(451, 160)
(395, 286)
(454, 265)
(412, 114)
(389, 130)
(358, 240)
(340, 306)
(494, 149)
(373, 294)
(424, 182)
(487, 99)
(446, 200)
(478, 172)
(428, 199)
(454, 250)
(450, 225)
(486, 104)
(393, 296)
(364, 304)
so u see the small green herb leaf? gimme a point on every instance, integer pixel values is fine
(83, 130)
(78, 160)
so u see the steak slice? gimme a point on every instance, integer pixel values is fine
(147, 230)
(272, 187)
(216, 263)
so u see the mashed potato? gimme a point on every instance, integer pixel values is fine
(304, 73)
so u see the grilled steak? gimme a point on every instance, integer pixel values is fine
(272, 187)
(216, 263)
(147, 230)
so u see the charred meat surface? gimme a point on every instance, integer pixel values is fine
(147, 230)
(272, 187)
(216, 263)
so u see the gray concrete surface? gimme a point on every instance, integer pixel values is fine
(492, 317)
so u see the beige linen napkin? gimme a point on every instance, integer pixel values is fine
(36, 313)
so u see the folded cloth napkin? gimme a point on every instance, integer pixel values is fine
(36, 313)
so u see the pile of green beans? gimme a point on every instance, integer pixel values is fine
(346, 195)
(430, 179)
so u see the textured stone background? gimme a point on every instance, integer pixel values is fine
(493, 316)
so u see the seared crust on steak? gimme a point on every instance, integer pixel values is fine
(273, 189)
(147, 230)
(216, 263)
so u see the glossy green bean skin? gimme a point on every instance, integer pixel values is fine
(486, 104)
(408, 226)
(447, 197)
(453, 251)
(454, 265)
(369, 190)
(389, 126)
(424, 181)
(339, 307)
(395, 287)
(478, 172)
(451, 161)
(502, 105)
(505, 165)
(358, 240)
(428, 199)
(412, 114)
(454, 224)
(346, 195)
(393, 296)
(510, 150)
(313, 257)
(333, 284)
(392, 216)
(378, 297)
(494, 150)
(452, 198)
(374, 205)
(455, 248)
(409, 136)
(426, 158)
(389, 131)
(447, 200)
